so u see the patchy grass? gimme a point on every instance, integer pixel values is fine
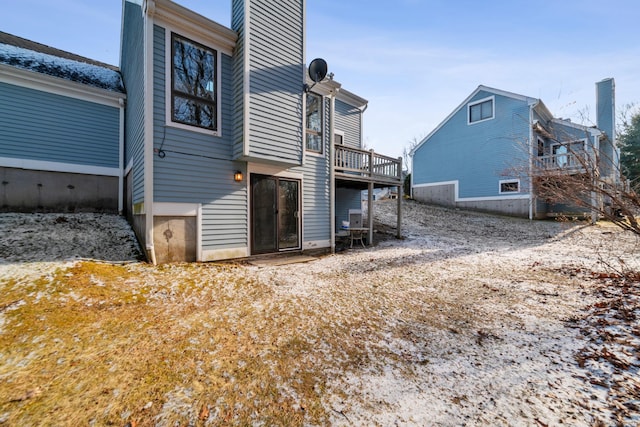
(106, 344)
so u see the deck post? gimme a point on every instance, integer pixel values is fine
(370, 213)
(332, 175)
(400, 197)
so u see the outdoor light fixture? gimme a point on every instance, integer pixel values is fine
(237, 176)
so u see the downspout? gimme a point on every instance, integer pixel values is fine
(531, 154)
(122, 103)
(332, 172)
(595, 203)
(148, 129)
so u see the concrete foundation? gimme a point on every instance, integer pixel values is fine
(175, 238)
(23, 190)
(445, 195)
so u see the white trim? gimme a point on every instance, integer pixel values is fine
(316, 244)
(594, 132)
(266, 169)
(436, 184)
(58, 86)
(148, 127)
(196, 26)
(332, 173)
(321, 107)
(457, 197)
(44, 165)
(220, 254)
(275, 171)
(509, 181)
(530, 101)
(199, 233)
(532, 205)
(128, 168)
(168, 76)
(175, 209)
(246, 81)
(121, 137)
(491, 98)
(351, 98)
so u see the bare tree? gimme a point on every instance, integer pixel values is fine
(573, 175)
(408, 148)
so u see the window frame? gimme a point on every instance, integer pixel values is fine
(491, 99)
(568, 156)
(509, 181)
(169, 79)
(308, 131)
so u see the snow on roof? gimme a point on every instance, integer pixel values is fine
(87, 72)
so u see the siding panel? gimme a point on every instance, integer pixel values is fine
(348, 120)
(198, 167)
(132, 70)
(68, 130)
(478, 155)
(275, 78)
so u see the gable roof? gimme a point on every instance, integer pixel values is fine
(32, 56)
(481, 88)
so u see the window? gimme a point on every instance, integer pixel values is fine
(510, 186)
(314, 123)
(481, 110)
(193, 84)
(540, 147)
(338, 137)
(568, 154)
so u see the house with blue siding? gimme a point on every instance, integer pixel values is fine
(61, 130)
(230, 149)
(486, 154)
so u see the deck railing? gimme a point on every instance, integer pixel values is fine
(368, 164)
(572, 162)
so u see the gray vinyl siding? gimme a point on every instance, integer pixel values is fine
(37, 125)
(132, 69)
(347, 198)
(348, 119)
(316, 186)
(276, 53)
(237, 23)
(198, 167)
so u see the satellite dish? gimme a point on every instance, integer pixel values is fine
(318, 70)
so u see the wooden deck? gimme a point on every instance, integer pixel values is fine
(358, 168)
(366, 170)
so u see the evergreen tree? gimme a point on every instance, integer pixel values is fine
(629, 141)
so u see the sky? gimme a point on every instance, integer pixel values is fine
(415, 61)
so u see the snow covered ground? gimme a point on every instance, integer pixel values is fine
(471, 319)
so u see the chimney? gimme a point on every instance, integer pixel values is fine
(606, 108)
(606, 122)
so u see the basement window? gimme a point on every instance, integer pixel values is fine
(510, 186)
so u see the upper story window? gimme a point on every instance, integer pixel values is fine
(481, 110)
(193, 84)
(313, 123)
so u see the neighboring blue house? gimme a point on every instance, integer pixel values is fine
(226, 154)
(61, 130)
(483, 154)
